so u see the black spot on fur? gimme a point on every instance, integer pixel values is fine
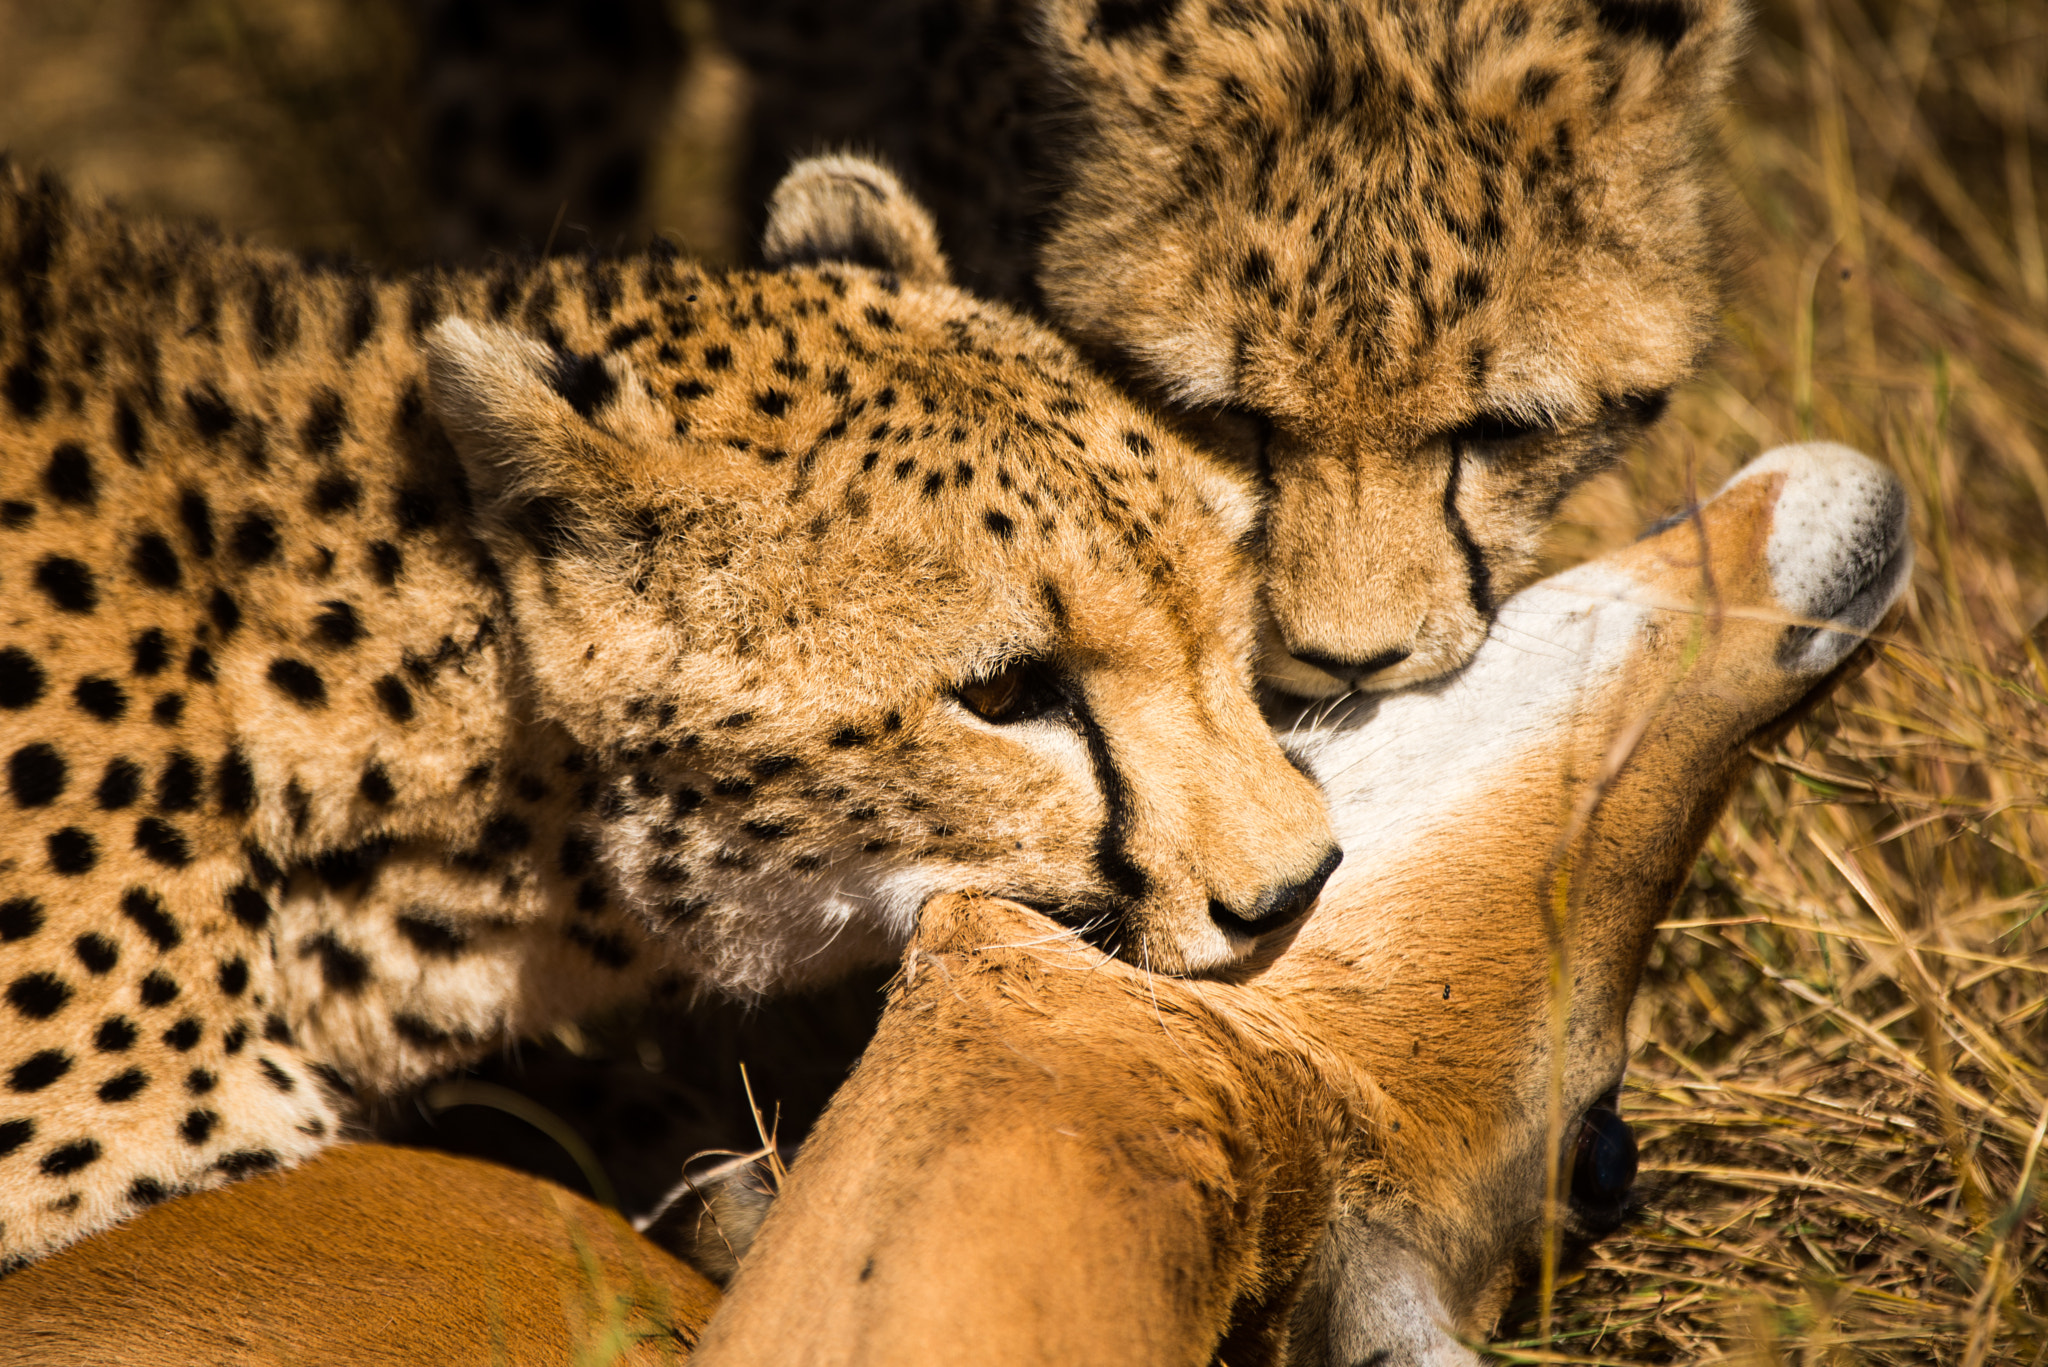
(69, 584)
(185, 1035)
(431, 935)
(167, 709)
(584, 382)
(150, 652)
(342, 969)
(386, 563)
(197, 516)
(199, 1082)
(120, 784)
(162, 842)
(245, 1163)
(375, 785)
(234, 977)
(69, 476)
(298, 681)
(78, 1154)
(38, 1071)
(159, 989)
(338, 625)
(128, 431)
(144, 1192)
(123, 1086)
(199, 665)
(177, 787)
(225, 612)
(38, 996)
(254, 539)
(147, 911)
(101, 697)
(325, 425)
(234, 784)
(247, 904)
(97, 953)
(116, 1034)
(14, 1134)
(36, 774)
(394, 697)
(72, 851)
(198, 1127)
(15, 514)
(350, 865)
(21, 679)
(335, 492)
(20, 917)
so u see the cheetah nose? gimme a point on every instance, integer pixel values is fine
(1280, 905)
(1352, 669)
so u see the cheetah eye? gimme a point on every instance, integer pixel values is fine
(1495, 429)
(1022, 690)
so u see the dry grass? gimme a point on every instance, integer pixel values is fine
(1843, 1075)
(1842, 1081)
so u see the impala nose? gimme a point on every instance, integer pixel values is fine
(1280, 905)
(1352, 670)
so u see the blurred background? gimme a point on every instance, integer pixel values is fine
(1841, 1085)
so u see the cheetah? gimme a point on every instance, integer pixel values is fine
(1424, 268)
(393, 667)
(534, 123)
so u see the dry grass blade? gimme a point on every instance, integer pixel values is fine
(1841, 1093)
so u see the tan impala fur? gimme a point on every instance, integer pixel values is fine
(421, 1260)
(1046, 1157)
(1425, 267)
(390, 668)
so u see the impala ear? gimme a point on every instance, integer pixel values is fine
(849, 209)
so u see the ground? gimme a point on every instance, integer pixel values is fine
(1844, 1056)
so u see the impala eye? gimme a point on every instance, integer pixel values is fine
(1603, 1168)
(1022, 690)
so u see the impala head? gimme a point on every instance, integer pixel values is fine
(1542, 809)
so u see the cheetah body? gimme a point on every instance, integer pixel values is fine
(377, 687)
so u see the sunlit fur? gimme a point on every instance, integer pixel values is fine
(1330, 236)
(393, 667)
(1046, 1157)
(1340, 1157)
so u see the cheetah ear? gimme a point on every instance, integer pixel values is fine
(849, 209)
(1671, 58)
(550, 441)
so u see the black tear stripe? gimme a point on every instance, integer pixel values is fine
(1478, 578)
(1111, 859)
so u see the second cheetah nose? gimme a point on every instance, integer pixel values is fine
(1351, 670)
(1280, 905)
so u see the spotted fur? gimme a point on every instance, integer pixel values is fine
(393, 667)
(1425, 267)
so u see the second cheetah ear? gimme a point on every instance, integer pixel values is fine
(849, 209)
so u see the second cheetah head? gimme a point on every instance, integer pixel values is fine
(1427, 267)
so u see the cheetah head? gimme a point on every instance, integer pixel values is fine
(853, 590)
(1426, 268)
